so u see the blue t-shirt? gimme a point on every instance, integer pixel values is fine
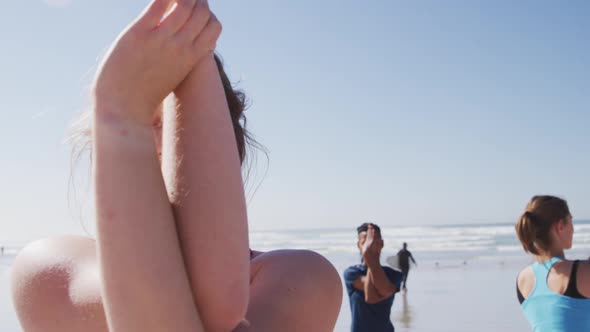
(369, 317)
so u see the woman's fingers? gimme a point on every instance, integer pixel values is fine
(178, 17)
(196, 22)
(206, 40)
(154, 13)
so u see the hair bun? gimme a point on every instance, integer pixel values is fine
(532, 217)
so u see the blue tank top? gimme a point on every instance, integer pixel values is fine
(548, 311)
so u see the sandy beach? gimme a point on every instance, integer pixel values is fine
(474, 297)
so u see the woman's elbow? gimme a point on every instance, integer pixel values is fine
(227, 310)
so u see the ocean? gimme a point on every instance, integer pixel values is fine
(446, 245)
(464, 280)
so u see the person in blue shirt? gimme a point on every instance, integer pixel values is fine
(371, 287)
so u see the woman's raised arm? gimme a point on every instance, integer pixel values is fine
(144, 280)
(201, 165)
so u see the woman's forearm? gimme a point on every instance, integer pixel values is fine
(145, 284)
(203, 177)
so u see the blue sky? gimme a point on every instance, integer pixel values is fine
(401, 113)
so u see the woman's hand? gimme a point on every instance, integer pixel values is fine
(153, 56)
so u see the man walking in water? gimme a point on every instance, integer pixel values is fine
(371, 287)
(404, 256)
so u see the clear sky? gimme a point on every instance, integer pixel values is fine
(396, 112)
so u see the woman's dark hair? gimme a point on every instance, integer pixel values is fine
(236, 100)
(533, 228)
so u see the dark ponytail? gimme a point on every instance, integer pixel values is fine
(533, 228)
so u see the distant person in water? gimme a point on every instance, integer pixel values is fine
(553, 291)
(371, 287)
(404, 256)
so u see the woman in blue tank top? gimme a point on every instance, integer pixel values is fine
(553, 291)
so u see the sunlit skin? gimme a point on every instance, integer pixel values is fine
(163, 261)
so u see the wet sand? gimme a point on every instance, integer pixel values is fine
(454, 297)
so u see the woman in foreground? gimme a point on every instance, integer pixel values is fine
(554, 292)
(172, 248)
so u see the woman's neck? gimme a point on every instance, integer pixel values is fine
(547, 255)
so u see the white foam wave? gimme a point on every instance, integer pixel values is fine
(494, 239)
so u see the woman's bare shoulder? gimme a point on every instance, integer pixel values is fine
(297, 266)
(52, 278)
(300, 260)
(57, 244)
(584, 269)
(526, 281)
(53, 253)
(299, 286)
(583, 278)
(525, 273)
